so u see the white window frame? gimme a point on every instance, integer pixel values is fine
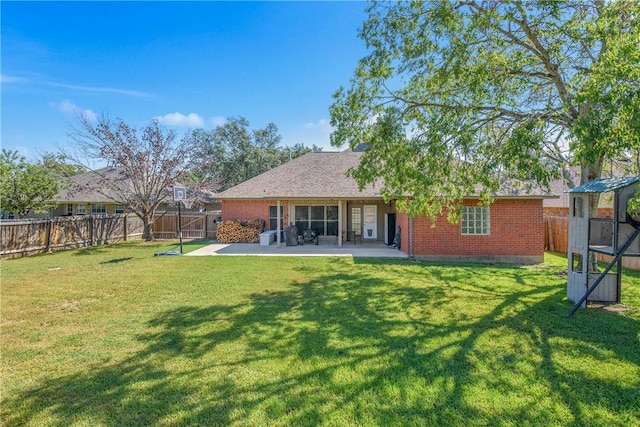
(119, 209)
(70, 209)
(98, 209)
(80, 209)
(274, 219)
(475, 221)
(325, 221)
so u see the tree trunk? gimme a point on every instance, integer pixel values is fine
(147, 230)
(588, 173)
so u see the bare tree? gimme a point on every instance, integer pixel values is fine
(142, 166)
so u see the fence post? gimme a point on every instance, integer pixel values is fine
(550, 234)
(91, 231)
(49, 226)
(124, 222)
(205, 216)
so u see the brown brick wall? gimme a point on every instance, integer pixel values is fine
(516, 231)
(251, 209)
(402, 221)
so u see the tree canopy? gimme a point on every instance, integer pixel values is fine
(457, 97)
(28, 187)
(233, 153)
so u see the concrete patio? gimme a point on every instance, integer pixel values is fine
(324, 248)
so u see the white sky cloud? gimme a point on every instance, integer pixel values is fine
(7, 79)
(322, 124)
(317, 133)
(181, 120)
(128, 92)
(69, 107)
(12, 79)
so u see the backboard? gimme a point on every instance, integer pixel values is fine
(179, 193)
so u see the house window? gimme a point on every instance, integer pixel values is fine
(323, 219)
(301, 218)
(475, 220)
(332, 220)
(118, 209)
(273, 217)
(69, 209)
(80, 209)
(98, 209)
(356, 221)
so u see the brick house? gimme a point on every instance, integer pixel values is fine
(313, 191)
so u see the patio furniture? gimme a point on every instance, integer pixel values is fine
(309, 235)
(354, 236)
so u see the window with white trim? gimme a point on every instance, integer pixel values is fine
(273, 217)
(98, 209)
(322, 218)
(475, 220)
(80, 209)
(69, 209)
(118, 209)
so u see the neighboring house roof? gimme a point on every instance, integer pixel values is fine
(323, 175)
(560, 187)
(83, 187)
(90, 187)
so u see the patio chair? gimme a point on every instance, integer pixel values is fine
(310, 236)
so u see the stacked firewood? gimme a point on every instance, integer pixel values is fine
(240, 231)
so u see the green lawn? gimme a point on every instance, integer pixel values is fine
(115, 336)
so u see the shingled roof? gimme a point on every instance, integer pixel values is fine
(83, 188)
(92, 187)
(323, 175)
(313, 175)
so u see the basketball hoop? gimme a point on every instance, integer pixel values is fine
(187, 203)
(180, 196)
(179, 193)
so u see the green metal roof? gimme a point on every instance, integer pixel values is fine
(604, 185)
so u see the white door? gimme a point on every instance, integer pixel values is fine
(370, 223)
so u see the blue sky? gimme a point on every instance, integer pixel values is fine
(191, 65)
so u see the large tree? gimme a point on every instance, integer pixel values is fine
(143, 165)
(233, 153)
(455, 97)
(27, 187)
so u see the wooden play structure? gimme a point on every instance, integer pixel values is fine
(617, 237)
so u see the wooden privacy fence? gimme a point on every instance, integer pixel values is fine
(556, 234)
(19, 238)
(194, 225)
(556, 239)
